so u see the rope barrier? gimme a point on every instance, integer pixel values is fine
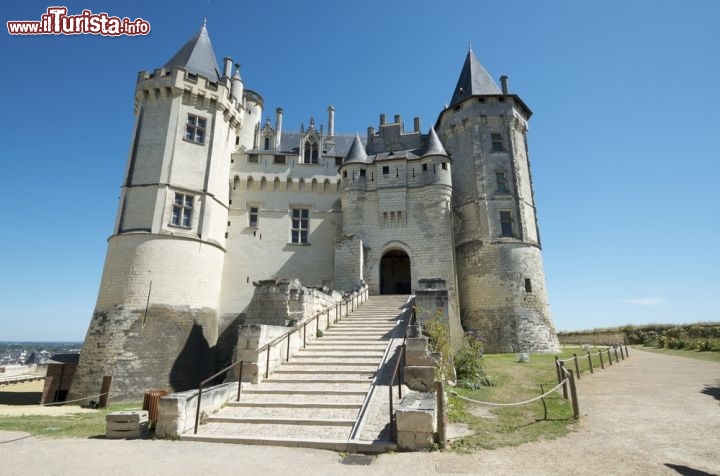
(73, 401)
(510, 404)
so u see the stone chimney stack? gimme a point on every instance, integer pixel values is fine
(504, 84)
(331, 121)
(416, 124)
(278, 126)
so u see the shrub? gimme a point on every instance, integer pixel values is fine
(469, 367)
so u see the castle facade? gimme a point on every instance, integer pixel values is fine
(215, 198)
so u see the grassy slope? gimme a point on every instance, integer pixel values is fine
(693, 354)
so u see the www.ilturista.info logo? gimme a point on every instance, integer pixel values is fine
(57, 22)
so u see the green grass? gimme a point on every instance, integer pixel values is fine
(512, 426)
(693, 354)
(74, 425)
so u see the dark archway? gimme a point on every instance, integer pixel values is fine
(395, 277)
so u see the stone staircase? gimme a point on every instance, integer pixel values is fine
(323, 395)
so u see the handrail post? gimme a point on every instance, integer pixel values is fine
(602, 364)
(573, 392)
(239, 382)
(393, 432)
(287, 350)
(565, 383)
(590, 362)
(197, 410)
(441, 415)
(577, 366)
(304, 334)
(267, 362)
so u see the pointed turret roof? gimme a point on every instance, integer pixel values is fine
(197, 56)
(357, 153)
(433, 146)
(474, 81)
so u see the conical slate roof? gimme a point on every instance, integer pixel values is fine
(474, 81)
(433, 146)
(357, 153)
(197, 56)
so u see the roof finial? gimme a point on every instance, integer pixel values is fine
(469, 47)
(204, 22)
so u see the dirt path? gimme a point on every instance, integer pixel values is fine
(652, 414)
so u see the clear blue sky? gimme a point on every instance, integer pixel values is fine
(624, 141)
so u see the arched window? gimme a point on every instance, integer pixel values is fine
(267, 143)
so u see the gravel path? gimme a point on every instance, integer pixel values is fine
(652, 414)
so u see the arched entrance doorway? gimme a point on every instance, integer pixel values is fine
(395, 277)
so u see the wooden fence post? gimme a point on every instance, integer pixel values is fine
(441, 415)
(626, 351)
(616, 356)
(590, 362)
(602, 364)
(577, 366)
(105, 391)
(573, 392)
(564, 373)
(609, 357)
(557, 369)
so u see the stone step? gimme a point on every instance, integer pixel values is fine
(273, 430)
(292, 368)
(313, 384)
(309, 354)
(291, 406)
(277, 399)
(303, 391)
(339, 444)
(284, 421)
(323, 361)
(325, 413)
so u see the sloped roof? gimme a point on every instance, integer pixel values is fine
(357, 153)
(433, 146)
(197, 56)
(474, 81)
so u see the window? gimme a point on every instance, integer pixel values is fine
(300, 225)
(312, 153)
(501, 181)
(362, 172)
(444, 165)
(279, 159)
(386, 170)
(253, 158)
(528, 285)
(195, 129)
(182, 210)
(506, 228)
(424, 167)
(253, 217)
(497, 142)
(267, 143)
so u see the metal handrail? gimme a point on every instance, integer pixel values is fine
(212, 377)
(363, 291)
(396, 374)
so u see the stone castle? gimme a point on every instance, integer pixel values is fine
(215, 199)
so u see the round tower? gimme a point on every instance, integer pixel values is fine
(500, 272)
(155, 320)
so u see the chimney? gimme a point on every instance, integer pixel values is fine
(228, 67)
(237, 85)
(397, 119)
(278, 126)
(331, 121)
(416, 124)
(382, 119)
(504, 83)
